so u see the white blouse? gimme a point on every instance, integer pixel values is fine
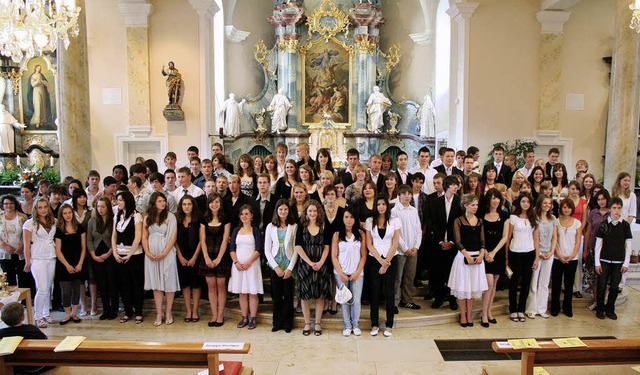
(382, 245)
(522, 237)
(42, 242)
(11, 233)
(567, 238)
(349, 255)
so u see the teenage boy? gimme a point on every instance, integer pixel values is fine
(460, 154)
(419, 201)
(429, 244)
(510, 170)
(170, 160)
(612, 254)
(498, 162)
(222, 185)
(207, 170)
(196, 173)
(109, 191)
(424, 155)
(403, 177)
(475, 152)
(438, 161)
(235, 200)
(447, 167)
(353, 159)
(529, 159)
(157, 184)
(264, 204)
(409, 243)
(467, 170)
(170, 180)
(119, 172)
(55, 197)
(553, 155)
(192, 152)
(140, 170)
(216, 148)
(302, 152)
(186, 187)
(93, 186)
(281, 156)
(43, 185)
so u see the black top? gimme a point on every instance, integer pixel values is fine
(613, 240)
(71, 248)
(361, 211)
(28, 331)
(188, 238)
(332, 227)
(232, 211)
(127, 236)
(282, 189)
(262, 219)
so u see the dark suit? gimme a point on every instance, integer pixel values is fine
(442, 169)
(379, 183)
(201, 202)
(548, 170)
(407, 182)
(442, 226)
(310, 162)
(232, 211)
(346, 177)
(502, 176)
(421, 263)
(263, 219)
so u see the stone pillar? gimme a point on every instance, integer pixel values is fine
(74, 128)
(460, 13)
(136, 19)
(622, 123)
(551, 40)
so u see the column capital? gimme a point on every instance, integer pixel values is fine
(552, 21)
(204, 7)
(462, 11)
(136, 12)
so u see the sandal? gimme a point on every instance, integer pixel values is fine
(306, 332)
(188, 319)
(139, 319)
(521, 317)
(317, 332)
(243, 323)
(40, 323)
(195, 319)
(49, 320)
(252, 322)
(125, 319)
(514, 317)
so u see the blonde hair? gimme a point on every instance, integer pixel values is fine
(617, 190)
(235, 178)
(361, 168)
(327, 173)
(500, 187)
(514, 186)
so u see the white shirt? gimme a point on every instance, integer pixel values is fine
(447, 209)
(629, 206)
(428, 178)
(91, 197)
(527, 172)
(436, 162)
(411, 232)
(382, 245)
(374, 178)
(11, 233)
(498, 166)
(522, 239)
(192, 190)
(567, 238)
(42, 244)
(349, 255)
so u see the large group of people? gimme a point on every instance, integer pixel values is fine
(378, 230)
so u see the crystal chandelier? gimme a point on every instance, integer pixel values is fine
(635, 17)
(30, 27)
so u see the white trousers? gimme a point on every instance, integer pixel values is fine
(43, 271)
(539, 289)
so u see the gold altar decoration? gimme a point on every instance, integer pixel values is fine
(393, 57)
(290, 45)
(328, 20)
(15, 77)
(366, 46)
(261, 55)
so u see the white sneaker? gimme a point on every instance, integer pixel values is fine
(388, 332)
(531, 315)
(544, 315)
(357, 331)
(374, 331)
(346, 332)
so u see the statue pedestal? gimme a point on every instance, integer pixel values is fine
(173, 113)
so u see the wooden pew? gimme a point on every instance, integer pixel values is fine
(117, 354)
(597, 352)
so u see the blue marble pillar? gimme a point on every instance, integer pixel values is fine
(365, 80)
(287, 74)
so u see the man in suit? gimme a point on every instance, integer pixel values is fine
(403, 177)
(498, 161)
(429, 245)
(445, 211)
(353, 159)
(448, 160)
(375, 164)
(234, 201)
(302, 152)
(554, 155)
(264, 204)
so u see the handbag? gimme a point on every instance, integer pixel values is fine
(343, 295)
(467, 263)
(634, 257)
(509, 272)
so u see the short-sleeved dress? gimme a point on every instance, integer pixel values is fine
(163, 274)
(188, 239)
(493, 231)
(248, 281)
(467, 280)
(312, 284)
(72, 250)
(213, 240)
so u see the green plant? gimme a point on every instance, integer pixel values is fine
(51, 175)
(517, 148)
(8, 177)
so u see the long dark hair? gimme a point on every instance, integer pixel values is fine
(554, 180)
(208, 215)
(104, 225)
(593, 202)
(275, 218)
(342, 231)
(77, 193)
(129, 204)
(533, 171)
(493, 193)
(387, 214)
(153, 216)
(195, 212)
(62, 225)
(531, 215)
(324, 152)
(487, 169)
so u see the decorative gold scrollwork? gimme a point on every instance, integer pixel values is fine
(290, 45)
(261, 54)
(15, 77)
(366, 46)
(393, 57)
(328, 20)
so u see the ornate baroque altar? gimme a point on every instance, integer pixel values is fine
(327, 61)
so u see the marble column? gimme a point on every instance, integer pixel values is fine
(74, 127)
(622, 124)
(460, 13)
(551, 41)
(136, 18)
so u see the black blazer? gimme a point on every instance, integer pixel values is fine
(346, 178)
(380, 183)
(422, 207)
(409, 178)
(311, 163)
(440, 223)
(264, 218)
(503, 174)
(454, 170)
(232, 211)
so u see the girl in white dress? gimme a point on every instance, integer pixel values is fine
(160, 266)
(246, 276)
(40, 257)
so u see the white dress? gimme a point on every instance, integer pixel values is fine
(247, 281)
(467, 280)
(163, 274)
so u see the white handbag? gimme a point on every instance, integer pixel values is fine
(343, 295)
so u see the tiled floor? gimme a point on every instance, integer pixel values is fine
(408, 351)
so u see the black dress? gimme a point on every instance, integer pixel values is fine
(72, 250)
(188, 239)
(312, 284)
(213, 239)
(492, 235)
(330, 228)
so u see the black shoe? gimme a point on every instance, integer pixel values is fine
(287, 330)
(395, 310)
(493, 321)
(104, 316)
(600, 314)
(484, 324)
(470, 324)
(554, 312)
(437, 304)
(428, 297)
(611, 315)
(410, 305)
(577, 294)
(568, 313)
(211, 324)
(276, 329)
(453, 305)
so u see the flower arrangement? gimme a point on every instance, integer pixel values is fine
(29, 174)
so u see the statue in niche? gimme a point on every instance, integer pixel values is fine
(427, 116)
(230, 115)
(7, 123)
(279, 107)
(174, 84)
(376, 106)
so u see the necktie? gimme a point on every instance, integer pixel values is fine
(185, 192)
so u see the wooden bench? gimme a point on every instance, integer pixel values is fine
(597, 352)
(117, 354)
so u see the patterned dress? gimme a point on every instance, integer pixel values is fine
(312, 284)
(213, 240)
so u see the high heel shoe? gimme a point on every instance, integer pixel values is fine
(306, 332)
(169, 321)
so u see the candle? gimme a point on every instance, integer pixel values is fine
(51, 161)
(18, 160)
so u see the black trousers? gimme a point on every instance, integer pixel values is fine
(385, 283)
(611, 275)
(14, 268)
(107, 283)
(441, 261)
(282, 295)
(520, 264)
(568, 270)
(131, 284)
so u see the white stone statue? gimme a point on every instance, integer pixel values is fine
(279, 107)
(427, 116)
(230, 115)
(376, 106)
(7, 123)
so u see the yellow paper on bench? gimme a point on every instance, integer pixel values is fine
(636, 368)
(8, 345)
(69, 344)
(540, 371)
(524, 343)
(569, 342)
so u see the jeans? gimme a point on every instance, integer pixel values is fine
(43, 271)
(405, 273)
(520, 264)
(611, 275)
(351, 312)
(539, 291)
(568, 270)
(282, 295)
(378, 283)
